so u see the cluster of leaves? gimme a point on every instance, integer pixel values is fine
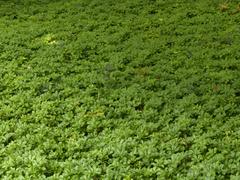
(128, 89)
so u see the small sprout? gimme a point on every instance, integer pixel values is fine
(49, 39)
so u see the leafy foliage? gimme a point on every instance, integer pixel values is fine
(140, 89)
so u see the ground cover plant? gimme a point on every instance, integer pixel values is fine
(128, 89)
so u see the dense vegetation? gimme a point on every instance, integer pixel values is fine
(127, 89)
